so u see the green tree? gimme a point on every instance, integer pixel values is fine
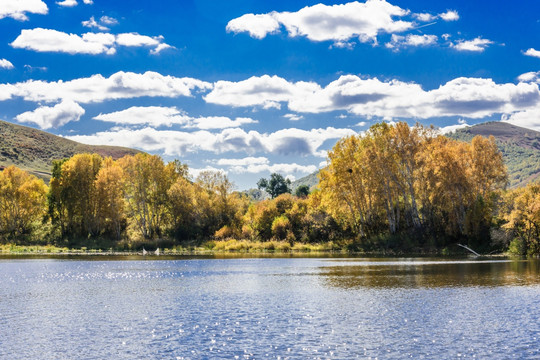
(302, 191)
(275, 186)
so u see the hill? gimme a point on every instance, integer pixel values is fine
(520, 148)
(34, 150)
(311, 180)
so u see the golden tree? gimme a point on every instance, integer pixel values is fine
(22, 201)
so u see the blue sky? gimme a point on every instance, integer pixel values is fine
(254, 87)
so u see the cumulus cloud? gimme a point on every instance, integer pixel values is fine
(47, 40)
(282, 168)
(170, 142)
(529, 119)
(5, 64)
(47, 117)
(67, 3)
(293, 117)
(247, 161)
(17, 9)
(218, 122)
(452, 128)
(477, 45)
(532, 52)
(156, 116)
(398, 41)
(337, 23)
(371, 97)
(425, 17)
(96, 88)
(265, 91)
(72, 3)
(533, 76)
(256, 165)
(102, 25)
(450, 15)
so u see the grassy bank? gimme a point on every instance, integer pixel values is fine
(228, 246)
(209, 247)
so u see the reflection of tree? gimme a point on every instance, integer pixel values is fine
(433, 274)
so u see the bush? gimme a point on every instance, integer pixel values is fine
(517, 247)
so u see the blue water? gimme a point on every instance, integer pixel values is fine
(269, 308)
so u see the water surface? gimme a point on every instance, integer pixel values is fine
(269, 308)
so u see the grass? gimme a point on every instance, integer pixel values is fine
(272, 246)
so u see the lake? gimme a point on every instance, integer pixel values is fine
(277, 308)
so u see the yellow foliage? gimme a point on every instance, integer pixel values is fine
(22, 201)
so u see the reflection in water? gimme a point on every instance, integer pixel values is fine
(432, 274)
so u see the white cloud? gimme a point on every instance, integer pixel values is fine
(95, 89)
(274, 168)
(247, 161)
(398, 41)
(529, 119)
(5, 64)
(293, 117)
(93, 24)
(452, 128)
(337, 23)
(371, 97)
(258, 26)
(532, 52)
(134, 39)
(53, 117)
(160, 48)
(477, 44)
(530, 77)
(47, 40)
(156, 116)
(266, 91)
(72, 3)
(67, 3)
(450, 15)
(170, 142)
(17, 9)
(107, 20)
(425, 17)
(218, 122)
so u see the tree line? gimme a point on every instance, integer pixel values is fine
(393, 188)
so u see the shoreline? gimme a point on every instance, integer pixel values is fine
(48, 251)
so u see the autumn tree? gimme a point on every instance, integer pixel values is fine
(73, 201)
(522, 215)
(146, 182)
(109, 185)
(22, 202)
(411, 179)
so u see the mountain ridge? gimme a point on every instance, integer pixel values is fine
(34, 150)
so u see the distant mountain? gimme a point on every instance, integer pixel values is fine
(34, 150)
(311, 180)
(520, 148)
